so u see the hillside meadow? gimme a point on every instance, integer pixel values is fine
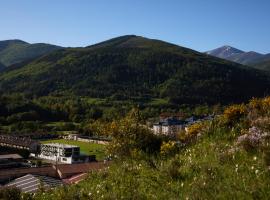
(227, 158)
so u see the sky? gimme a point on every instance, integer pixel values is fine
(197, 24)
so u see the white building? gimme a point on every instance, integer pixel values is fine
(169, 127)
(60, 153)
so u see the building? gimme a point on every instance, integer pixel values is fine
(169, 127)
(62, 171)
(62, 153)
(11, 157)
(66, 171)
(75, 179)
(33, 183)
(72, 136)
(8, 161)
(19, 143)
(166, 115)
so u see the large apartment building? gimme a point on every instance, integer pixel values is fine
(60, 153)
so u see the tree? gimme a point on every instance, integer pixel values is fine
(129, 136)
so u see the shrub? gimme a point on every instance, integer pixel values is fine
(194, 130)
(260, 106)
(168, 148)
(234, 113)
(266, 105)
(129, 136)
(262, 123)
(252, 139)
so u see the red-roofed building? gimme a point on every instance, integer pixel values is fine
(64, 171)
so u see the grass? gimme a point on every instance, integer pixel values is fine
(60, 124)
(201, 171)
(86, 148)
(158, 102)
(94, 101)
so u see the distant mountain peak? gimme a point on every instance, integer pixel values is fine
(232, 54)
(224, 51)
(227, 47)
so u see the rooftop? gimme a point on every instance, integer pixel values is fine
(66, 169)
(18, 141)
(11, 156)
(31, 183)
(61, 145)
(170, 122)
(75, 179)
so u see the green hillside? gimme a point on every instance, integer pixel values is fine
(227, 158)
(15, 51)
(263, 65)
(136, 67)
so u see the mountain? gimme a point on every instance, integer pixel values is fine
(245, 58)
(224, 52)
(263, 64)
(136, 67)
(236, 55)
(15, 51)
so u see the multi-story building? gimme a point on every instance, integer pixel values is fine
(60, 153)
(169, 127)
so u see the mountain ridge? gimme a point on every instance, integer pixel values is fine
(235, 55)
(136, 67)
(224, 51)
(15, 51)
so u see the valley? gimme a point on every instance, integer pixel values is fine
(86, 118)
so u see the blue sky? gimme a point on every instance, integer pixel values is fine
(197, 24)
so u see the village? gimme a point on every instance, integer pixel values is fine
(61, 161)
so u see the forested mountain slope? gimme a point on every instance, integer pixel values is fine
(133, 66)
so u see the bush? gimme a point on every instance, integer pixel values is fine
(234, 113)
(168, 148)
(194, 130)
(260, 106)
(253, 139)
(128, 135)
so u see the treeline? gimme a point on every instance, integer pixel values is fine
(74, 113)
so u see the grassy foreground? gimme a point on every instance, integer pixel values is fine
(227, 158)
(86, 148)
(203, 171)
